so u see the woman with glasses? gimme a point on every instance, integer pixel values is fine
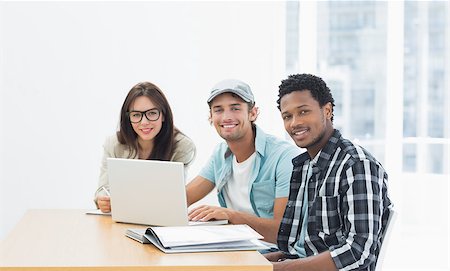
(146, 132)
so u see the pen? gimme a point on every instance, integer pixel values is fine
(107, 192)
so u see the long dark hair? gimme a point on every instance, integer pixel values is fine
(164, 141)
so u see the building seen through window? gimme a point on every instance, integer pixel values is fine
(352, 58)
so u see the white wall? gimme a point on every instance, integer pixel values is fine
(65, 68)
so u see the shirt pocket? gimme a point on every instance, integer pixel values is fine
(328, 224)
(263, 194)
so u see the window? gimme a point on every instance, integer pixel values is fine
(426, 92)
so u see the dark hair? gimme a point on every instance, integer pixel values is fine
(164, 141)
(300, 82)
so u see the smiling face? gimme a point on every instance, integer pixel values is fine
(145, 129)
(231, 117)
(306, 122)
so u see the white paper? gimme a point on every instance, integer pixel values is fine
(184, 236)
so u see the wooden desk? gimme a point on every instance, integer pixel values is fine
(71, 240)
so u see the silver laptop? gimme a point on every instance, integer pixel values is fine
(148, 192)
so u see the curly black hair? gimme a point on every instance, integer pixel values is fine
(300, 82)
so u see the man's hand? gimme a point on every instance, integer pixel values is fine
(274, 256)
(285, 265)
(207, 212)
(319, 262)
(104, 203)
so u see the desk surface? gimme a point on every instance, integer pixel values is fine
(70, 239)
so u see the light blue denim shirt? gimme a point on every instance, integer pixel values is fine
(271, 171)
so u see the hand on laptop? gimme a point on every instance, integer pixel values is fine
(104, 203)
(207, 212)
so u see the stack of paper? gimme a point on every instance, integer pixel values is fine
(200, 238)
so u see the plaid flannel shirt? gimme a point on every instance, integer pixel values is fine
(348, 205)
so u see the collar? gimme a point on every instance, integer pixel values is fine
(323, 157)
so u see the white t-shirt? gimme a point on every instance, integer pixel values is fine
(236, 190)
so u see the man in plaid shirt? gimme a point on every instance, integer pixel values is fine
(338, 203)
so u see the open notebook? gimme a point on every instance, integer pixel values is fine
(199, 239)
(149, 192)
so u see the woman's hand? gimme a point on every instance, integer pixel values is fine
(104, 203)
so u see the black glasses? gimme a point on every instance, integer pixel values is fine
(151, 115)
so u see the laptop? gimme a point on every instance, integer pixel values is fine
(149, 192)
